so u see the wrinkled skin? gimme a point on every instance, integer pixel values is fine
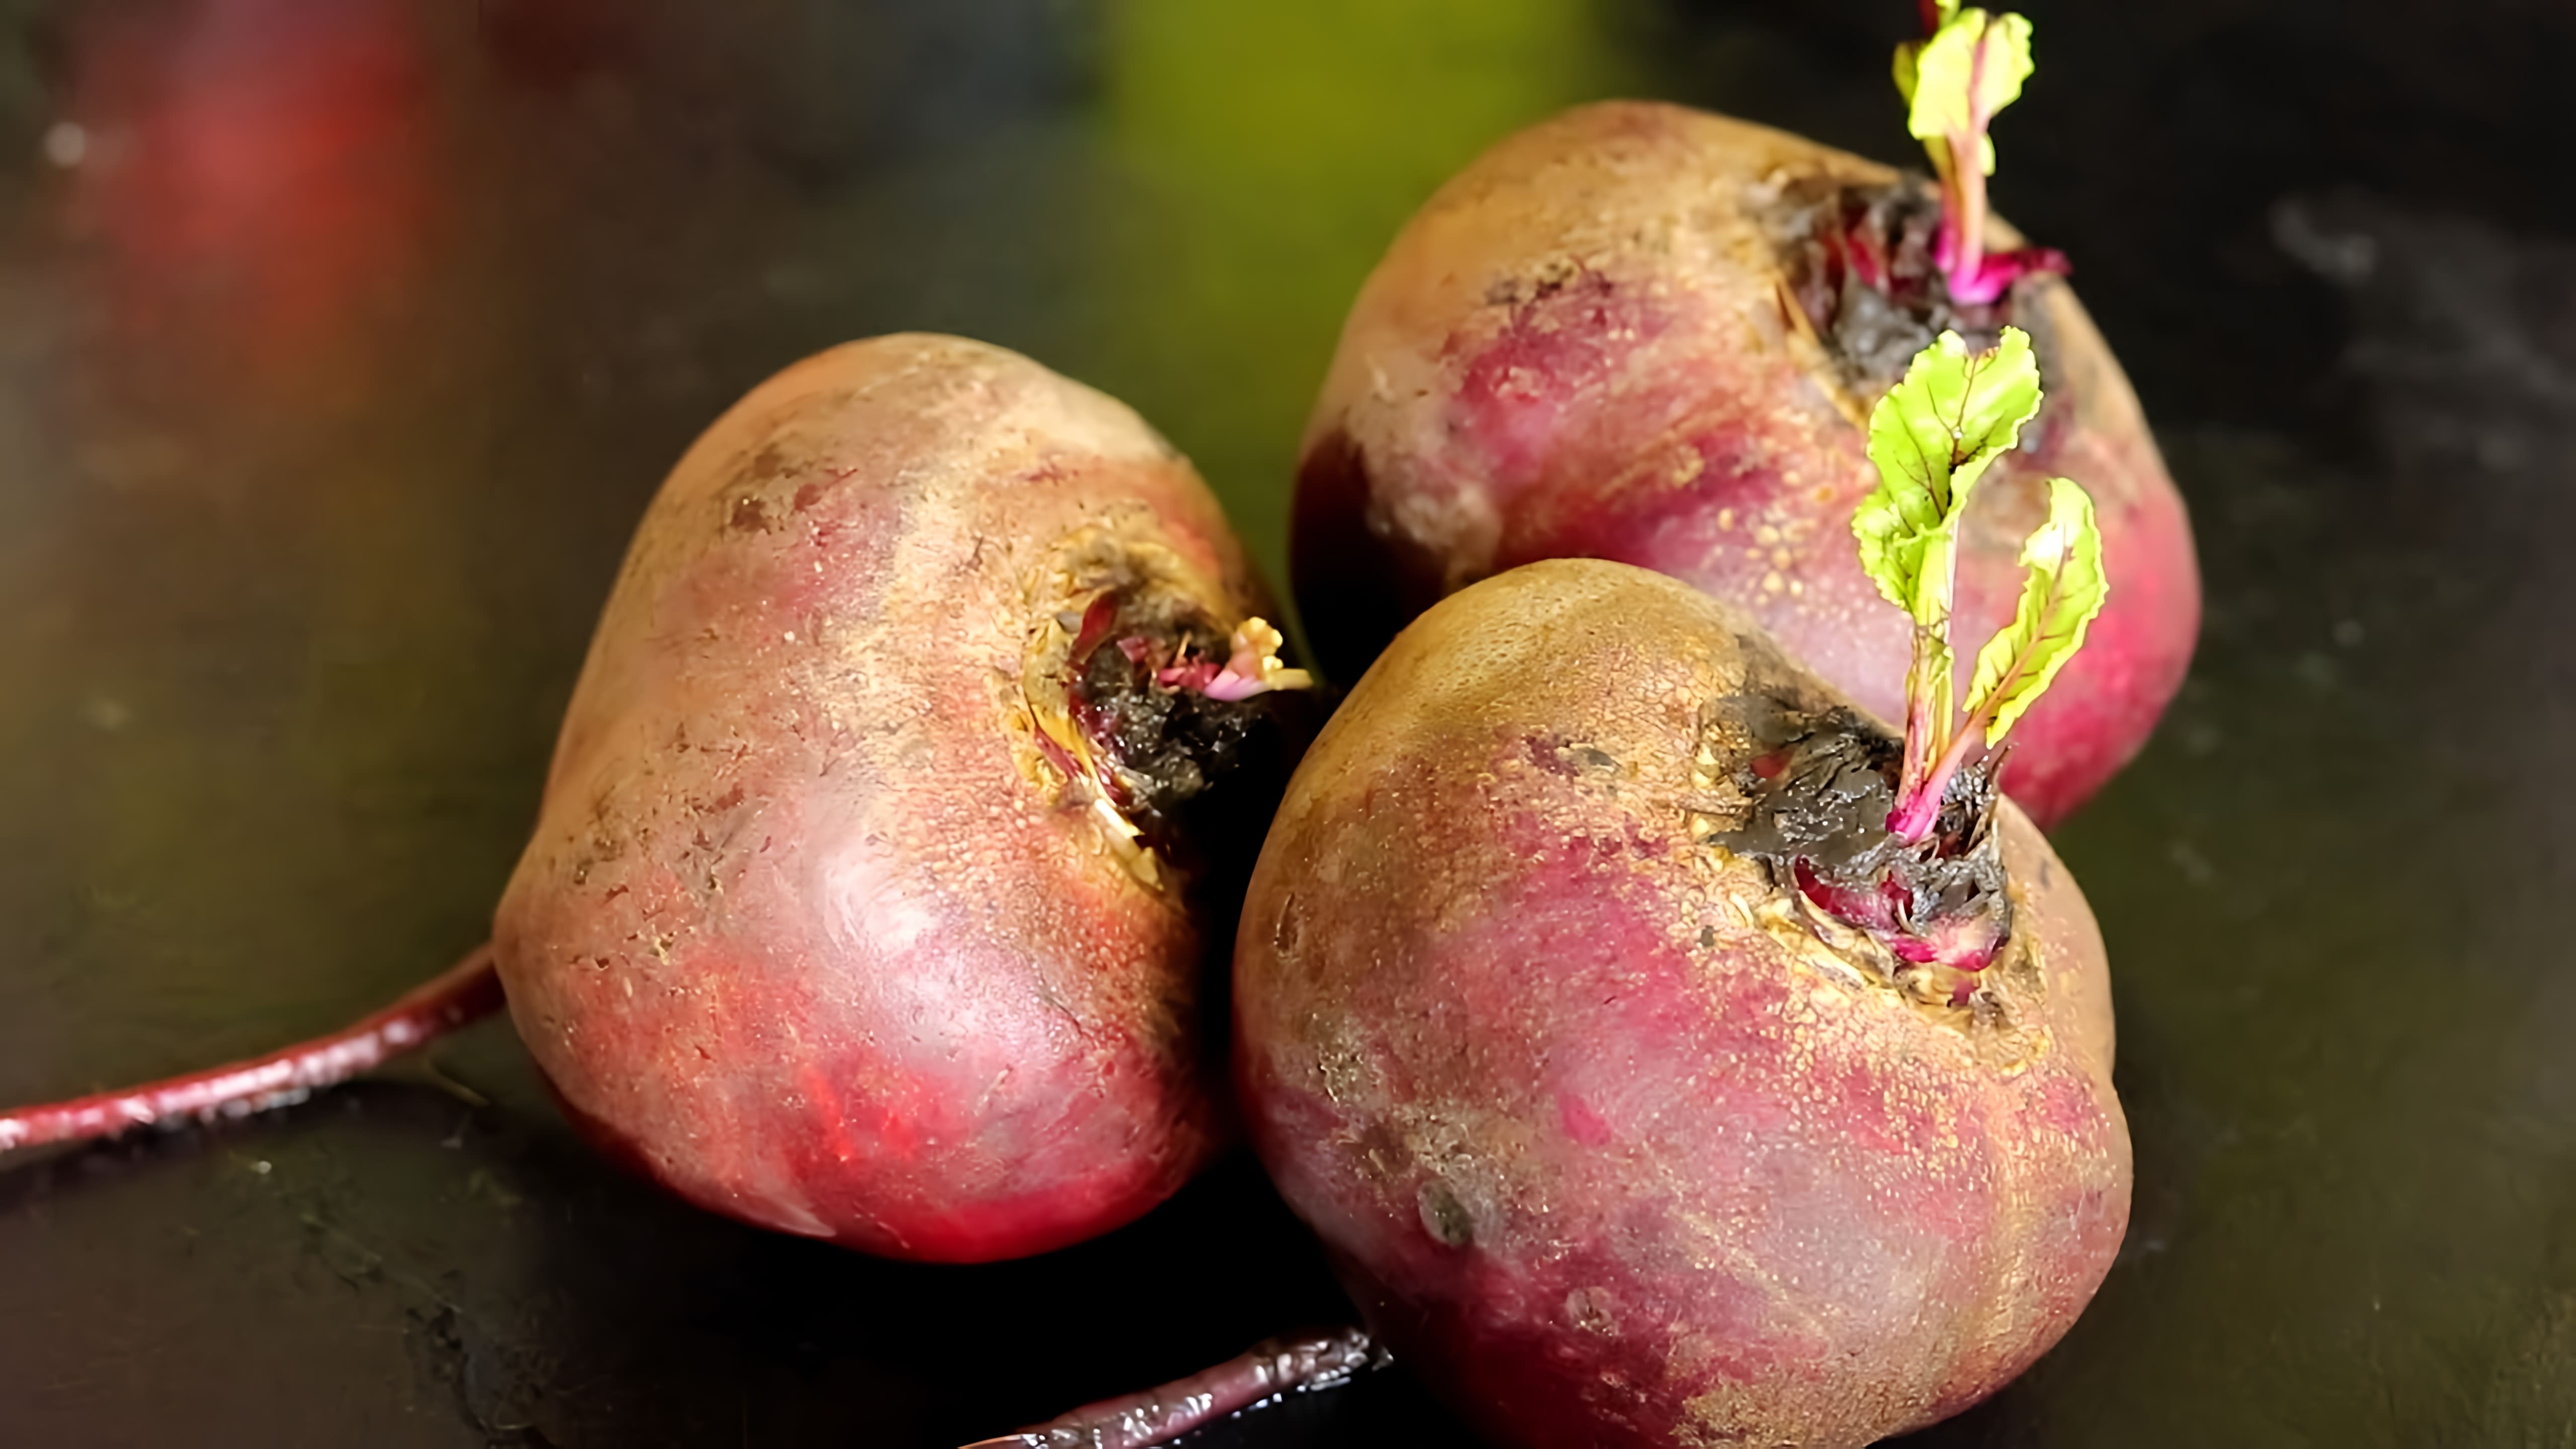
(809, 929)
(1606, 1139)
(1584, 346)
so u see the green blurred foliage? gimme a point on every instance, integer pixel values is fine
(1263, 156)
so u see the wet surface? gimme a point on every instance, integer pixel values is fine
(341, 342)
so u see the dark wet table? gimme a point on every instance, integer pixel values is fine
(342, 340)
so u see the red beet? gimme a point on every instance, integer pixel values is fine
(1615, 1137)
(1643, 333)
(814, 925)
(907, 790)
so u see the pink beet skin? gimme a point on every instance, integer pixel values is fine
(811, 928)
(1613, 1143)
(1590, 344)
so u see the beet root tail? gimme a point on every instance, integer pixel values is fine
(466, 992)
(1158, 1416)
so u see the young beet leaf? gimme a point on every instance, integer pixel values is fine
(2065, 590)
(1971, 67)
(1933, 435)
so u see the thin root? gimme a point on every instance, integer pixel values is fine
(469, 991)
(1158, 1416)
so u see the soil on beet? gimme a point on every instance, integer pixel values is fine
(1859, 263)
(1818, 804)
(1201, 775)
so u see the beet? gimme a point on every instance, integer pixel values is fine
(1614, 1135)
(1643, 333)
(902, 807)
(813, 924)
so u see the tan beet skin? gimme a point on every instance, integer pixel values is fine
(1605, 1137)
(811, 927)
(1587, 344)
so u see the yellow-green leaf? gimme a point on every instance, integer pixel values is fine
(2064, 591)
(1909, 68)
(1906, 54)
(1954, 83)
(1931, 437)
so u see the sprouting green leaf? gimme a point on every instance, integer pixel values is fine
(2065, 590)
(1955, 82)
(1907, 54)
(1932, 436)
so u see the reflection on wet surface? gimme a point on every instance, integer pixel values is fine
(341, 342)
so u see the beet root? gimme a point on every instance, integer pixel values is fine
(1612, 1133)
(1265, 1373)
(463, 994)
(1643, 333)
(875, 871)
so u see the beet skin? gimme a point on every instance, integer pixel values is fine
(1616, 1142)
(1644, 333)
(815, 926)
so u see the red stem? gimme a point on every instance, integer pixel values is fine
(1968, 253)
(1916, 811)
(469, 991)
(1158, 1416)
(1920, 722)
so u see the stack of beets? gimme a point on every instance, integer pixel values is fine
(1667, 1051)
